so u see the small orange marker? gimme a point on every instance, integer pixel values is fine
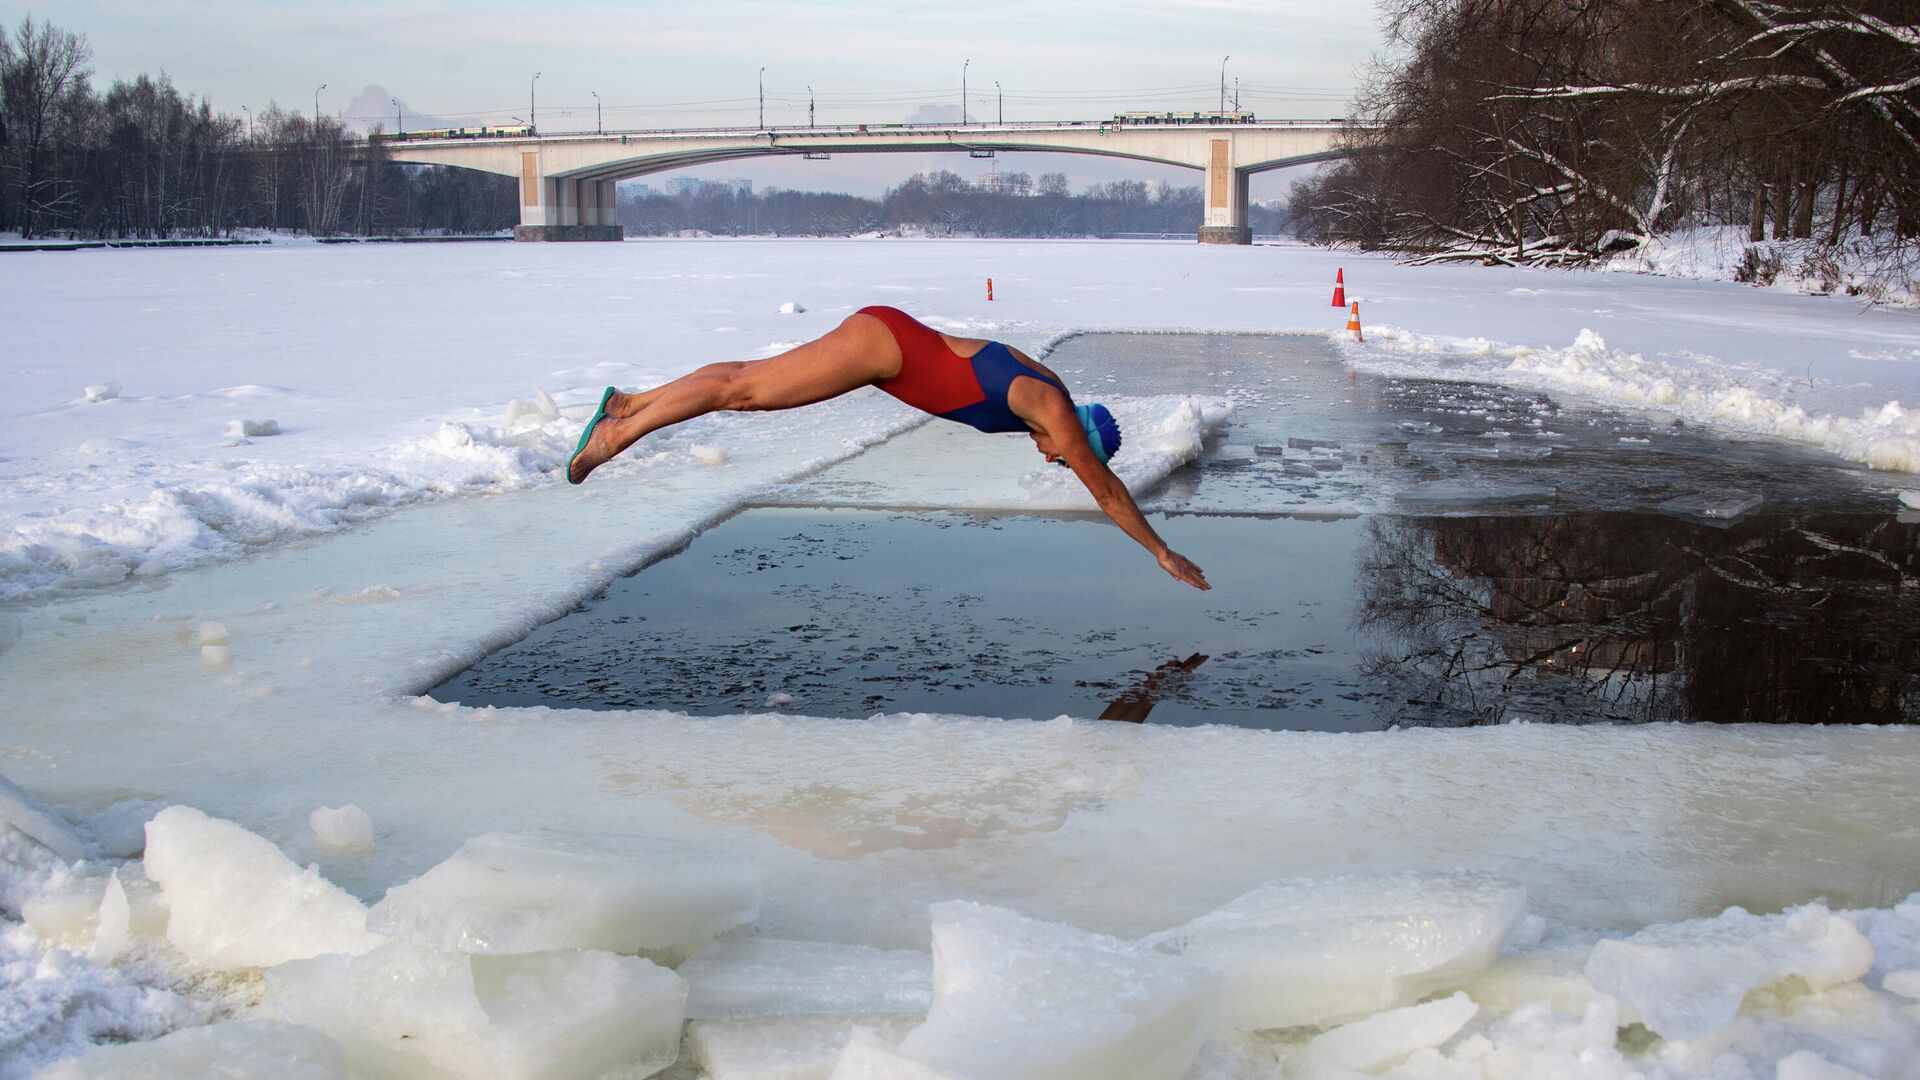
(989, 288)
(1353, 323)
(1340, 287)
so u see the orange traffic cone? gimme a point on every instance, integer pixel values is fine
(989, 288)
(1353, 323)
(1340, 287)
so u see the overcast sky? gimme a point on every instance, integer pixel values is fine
(660, 65)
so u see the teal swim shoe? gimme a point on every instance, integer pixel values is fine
(599, 414)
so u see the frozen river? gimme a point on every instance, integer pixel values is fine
(245, 624)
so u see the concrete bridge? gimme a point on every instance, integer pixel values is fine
(567, 181)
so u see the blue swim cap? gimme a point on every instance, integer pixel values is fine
(1103, 433)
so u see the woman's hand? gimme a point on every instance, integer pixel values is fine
(1183, 569)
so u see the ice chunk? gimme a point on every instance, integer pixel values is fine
(348, 828)
(784, 1047)
(1687, 979)
(236, 901)
(215, 657)
(1905, 982)
(769, 977)
(1712, 505)
(792, 307)
(1910, 500)
(249, 429)
(242, 1050)
(708, 455)
(213, 633)
(106, 391)
(1556, 976)
(531, 892)
(544, 403)
(67, 911)
(38, 822)
(1019, 999)
(1312, 444)
(1443, 494)
(403, 1011)
(1327, 950)
(1269, 450)
(1384, 1039)
(115, 923)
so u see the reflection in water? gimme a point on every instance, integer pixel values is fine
(1811, 618)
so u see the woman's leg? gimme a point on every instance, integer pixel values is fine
(858, 352)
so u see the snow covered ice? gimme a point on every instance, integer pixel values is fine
(349, 565)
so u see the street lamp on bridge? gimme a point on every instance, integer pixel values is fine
(963, 92)
(809, 106)
(533, 123)
(316, 106)
(763, 97)
(1000, 108)
(399, 120)
(598, 127)
(1223, 82)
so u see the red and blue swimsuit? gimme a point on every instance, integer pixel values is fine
(970, 390)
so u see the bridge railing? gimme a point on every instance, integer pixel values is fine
(885, 129)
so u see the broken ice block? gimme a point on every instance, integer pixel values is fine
(1687, 979)
(402, 1011)
(102, 391)
(1910, 500)
(1384, 1039)
(1019, 999)
(242, 1050)
(1712, 505)
(250, 429)
(784, 1047)
(347, 828)
(1419, 427)
(1327, 950)
(770, 977)
(532, 892)
(1556, 976)
(1312, 444)
(792, 307)
(236, 901)
(708, 455)
(1269, 450)
(1463, 494)
(67, 911)
(38, 822)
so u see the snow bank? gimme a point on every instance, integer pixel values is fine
(503, 893)
(1019, 999)
(401, 1011)
(1315, 952)
(236, 901)
(1886, 436)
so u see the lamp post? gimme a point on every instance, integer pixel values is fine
(598, 127)
(316, 106)
(763, 97)
(963, 93)
(1000, 107)
(533, 122)
(399, 119)
(1223, 82)
(809, 106)
(249, 113)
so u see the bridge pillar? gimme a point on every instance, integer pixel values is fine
(560, 208)
(1225, 217)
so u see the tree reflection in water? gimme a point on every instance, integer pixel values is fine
(1812, 618)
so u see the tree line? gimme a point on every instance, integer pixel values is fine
(1557, 130)
(940, 203)
(146, 160)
